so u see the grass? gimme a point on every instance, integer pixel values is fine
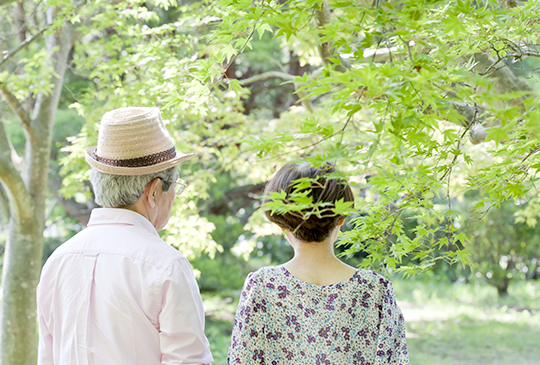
(454, 324)
(447, 324)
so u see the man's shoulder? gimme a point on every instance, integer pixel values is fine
(120, 240)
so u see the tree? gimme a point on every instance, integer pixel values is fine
(24, 179)
(406, 82)
(505, 246)
(389, 92)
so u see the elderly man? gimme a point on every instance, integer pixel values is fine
(116, 293)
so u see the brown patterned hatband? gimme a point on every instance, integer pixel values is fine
(139, 161)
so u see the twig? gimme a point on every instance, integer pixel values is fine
(71, 92)
(326, 49)
(266, 75)
(391, 227)
(223, 74)
(16, 107)
(313, 144)
(389, 50)
(313, 210)
(483, 214)
(449, 202)
(23, 45)
(24, 23)
(449, 170)
(376, 49)
(283, 75)
(518, 56)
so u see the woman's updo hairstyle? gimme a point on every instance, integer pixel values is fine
(314, 229)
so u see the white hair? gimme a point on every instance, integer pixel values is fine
(123, 191)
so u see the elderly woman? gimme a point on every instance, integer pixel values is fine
(316, 309)
(116, 293)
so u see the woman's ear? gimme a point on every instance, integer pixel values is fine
(150, 192)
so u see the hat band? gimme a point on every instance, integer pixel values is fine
(138, 161)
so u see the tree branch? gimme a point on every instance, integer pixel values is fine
(266, 75)
(245, 194)
(507, 80)
(20, 19)
(473, 122)
(6, 163)
(17, 160)
(509, 3)
(37, 153)
(325, 48)
(250, 36)
(4, 204)
(386, 53)
(470, 112)
(282, 75)
(324, 17)
(16, 190)
(342, 130)
(23, 45)
(16, 107)
(516, 56)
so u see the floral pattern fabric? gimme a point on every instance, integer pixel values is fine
(283, 320)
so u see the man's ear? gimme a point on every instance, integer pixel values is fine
(340, 223)
(150, 192)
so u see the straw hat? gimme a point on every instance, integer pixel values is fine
(133, 141)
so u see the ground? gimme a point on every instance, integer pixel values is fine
(447, 323)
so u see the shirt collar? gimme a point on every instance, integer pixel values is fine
(108, 216)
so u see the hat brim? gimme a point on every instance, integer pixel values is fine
(145, 170)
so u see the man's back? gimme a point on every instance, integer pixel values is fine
(118, 294)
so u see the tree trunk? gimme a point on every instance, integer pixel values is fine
(502, 287)
(27, 192)
(22, 265)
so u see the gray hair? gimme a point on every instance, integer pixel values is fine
(123, 191)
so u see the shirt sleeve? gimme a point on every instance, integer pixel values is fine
(45, 349)
(181, 320)
(248, 336)
(391, 343)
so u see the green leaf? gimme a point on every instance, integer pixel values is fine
(264, 27)
(342, 207)
(235, 86)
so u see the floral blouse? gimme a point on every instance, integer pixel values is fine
(283, 320)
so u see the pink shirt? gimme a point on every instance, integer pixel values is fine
(116, 293)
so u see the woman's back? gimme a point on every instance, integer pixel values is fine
(281, 319)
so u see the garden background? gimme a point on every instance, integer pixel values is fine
(428, 108)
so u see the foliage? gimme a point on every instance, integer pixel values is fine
(385, 84)
(503, 246)
(59, 227)
(387, 93)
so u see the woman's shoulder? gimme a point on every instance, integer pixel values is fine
(363, 280)
(371, 281)
(370, 276)
(264, 275)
